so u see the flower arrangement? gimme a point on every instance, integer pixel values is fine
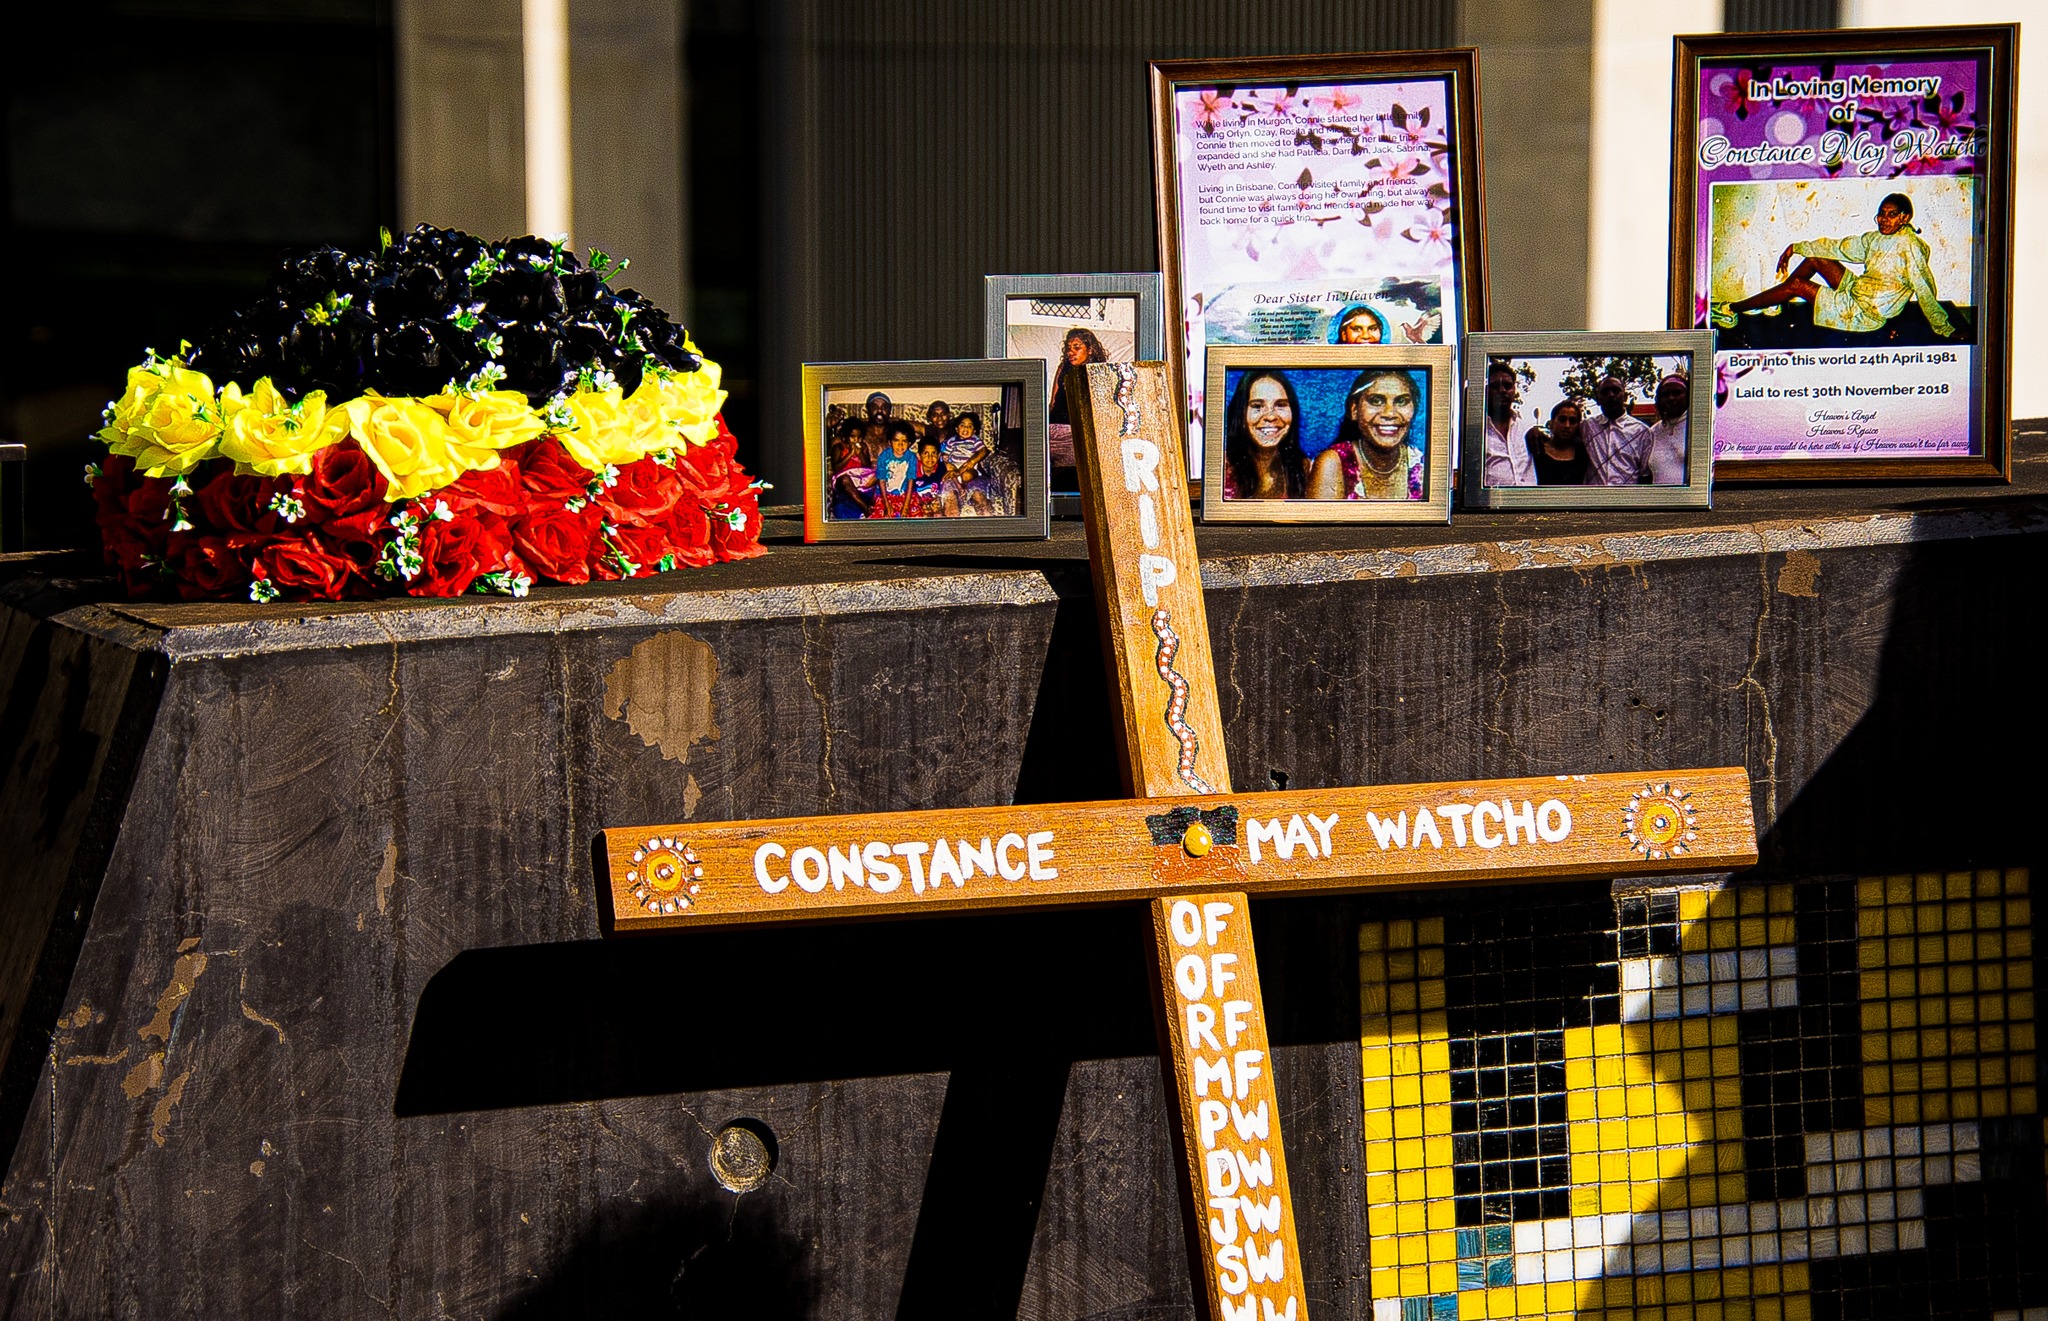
(446, 416)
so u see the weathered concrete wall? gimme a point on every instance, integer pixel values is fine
(326, 1028)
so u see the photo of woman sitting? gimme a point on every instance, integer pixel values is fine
(1896, 271)
(1263, 458)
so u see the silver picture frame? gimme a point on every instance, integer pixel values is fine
(1145, 288)
(1026, 375)
(1346, 363)
(1527, 347)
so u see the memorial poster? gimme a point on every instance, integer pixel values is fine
(1315, 213)
(1840, 254)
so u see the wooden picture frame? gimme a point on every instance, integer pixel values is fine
(1058, 306)
(1829, 363)
(1379, 152)
(1321, 386)
(1669, 464)
(1006, 396)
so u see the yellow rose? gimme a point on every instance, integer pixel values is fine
(122, 413)
(607, 430)
(407, 441)
(266, 434)
(481, 424)
(168, 420)
(687, 403)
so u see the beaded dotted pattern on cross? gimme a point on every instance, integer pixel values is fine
(1177, 703)
(665, 874)
(1659, 822)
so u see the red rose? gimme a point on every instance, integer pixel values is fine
(643, 547)
(344, 484)
(123, 545)
(208, 567)
(308, 567)
(234, 502)
(498, 490)
(116, 479)
(689, 534)
(452, 553)
(709, 472)
(557, 543)
(744, 541)
(134, 520)
(644, 493)
(550, 475)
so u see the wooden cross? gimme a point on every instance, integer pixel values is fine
(1195, 858)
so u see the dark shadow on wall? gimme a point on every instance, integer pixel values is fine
(716, 1259)
(1944, 769)
(1943, 773)
(1002, 1005)
(538, 1024)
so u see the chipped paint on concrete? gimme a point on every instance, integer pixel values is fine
(662, 690)
(185, 974)
(387, 876)
(144, 1076)
(160, 1113)
(1800, 574)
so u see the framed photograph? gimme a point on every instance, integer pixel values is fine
(1328, 434)
(925, 451)
(1841, 219)
(1072, 320)
(1602, 420)
(1316, 200)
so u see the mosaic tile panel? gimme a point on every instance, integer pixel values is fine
(1785, 1102)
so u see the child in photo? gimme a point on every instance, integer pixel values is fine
(853, 473)
(970, 492)
(928, 486)
(895, 468)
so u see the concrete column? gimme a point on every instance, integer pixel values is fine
(627, 141)
(2029, 177)
(461, 138)
(1628, 276)
(1535, 78)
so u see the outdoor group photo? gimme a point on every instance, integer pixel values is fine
(1587, 420)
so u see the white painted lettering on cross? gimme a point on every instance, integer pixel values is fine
(1487, 824)
(1247, 1236)
(1013, 857)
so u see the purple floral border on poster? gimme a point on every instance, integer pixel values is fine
(1841, 330)
(1308, 193)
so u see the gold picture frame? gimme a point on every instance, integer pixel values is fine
(1324, 388)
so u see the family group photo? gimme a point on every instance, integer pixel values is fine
(899, 454)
